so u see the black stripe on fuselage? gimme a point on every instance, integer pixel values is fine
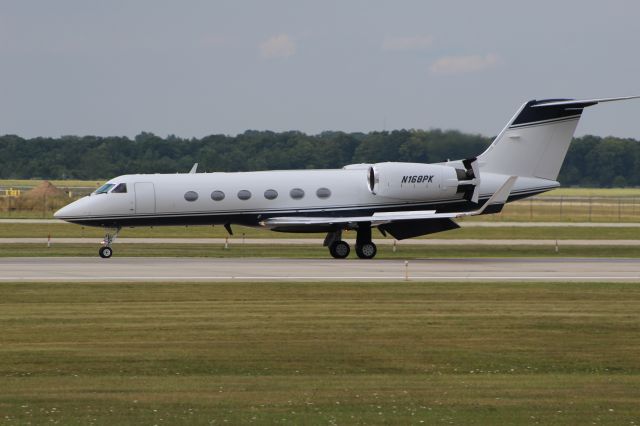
(252, 218)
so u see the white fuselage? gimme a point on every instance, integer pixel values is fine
(248, 197)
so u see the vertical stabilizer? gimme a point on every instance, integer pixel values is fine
(536, 140)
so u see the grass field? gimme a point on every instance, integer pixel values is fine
(69, 183)
(306, 251)
(60, 230)
(323, 353)
(593, 192)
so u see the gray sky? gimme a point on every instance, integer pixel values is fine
(193, 68)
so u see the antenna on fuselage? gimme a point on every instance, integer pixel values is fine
(194, 168)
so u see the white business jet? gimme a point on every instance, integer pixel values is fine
(404, 200)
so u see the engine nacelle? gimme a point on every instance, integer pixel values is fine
(415, 181)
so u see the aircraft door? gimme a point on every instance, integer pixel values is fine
(145, 198)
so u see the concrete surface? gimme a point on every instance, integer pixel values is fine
(253, 269)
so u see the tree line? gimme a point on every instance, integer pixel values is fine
(591, 161)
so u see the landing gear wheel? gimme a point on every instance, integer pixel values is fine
(339, 249)
(366, 250)
(105, 252)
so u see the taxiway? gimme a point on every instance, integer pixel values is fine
(259, 269)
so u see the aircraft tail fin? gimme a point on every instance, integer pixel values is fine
(536, 140)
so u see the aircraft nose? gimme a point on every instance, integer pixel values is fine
(69, 211)
(62, 213)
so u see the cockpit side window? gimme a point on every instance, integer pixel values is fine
(104, 188)
(121, 188)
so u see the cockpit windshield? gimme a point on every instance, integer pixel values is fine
(120, 189)
(104, 188)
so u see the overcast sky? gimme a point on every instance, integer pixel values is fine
(193, 68)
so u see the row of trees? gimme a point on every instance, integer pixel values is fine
(591, 161)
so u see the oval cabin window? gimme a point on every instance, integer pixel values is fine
(191, 196)
(323, 193)
(217, 195)
(244, 194)
(296, 193)
(270, 194)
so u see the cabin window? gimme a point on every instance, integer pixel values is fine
(296, 193)
(323, 193)
(270, 194)
(244, 194)
(191, 196)
(217, 195)
(104, 188)
(121, 188)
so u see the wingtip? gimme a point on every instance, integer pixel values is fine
(501, 195)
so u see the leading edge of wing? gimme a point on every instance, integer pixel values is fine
(499, 197)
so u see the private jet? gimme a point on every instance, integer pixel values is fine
(403, 200)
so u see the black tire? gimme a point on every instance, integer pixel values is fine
(366, 250)
(105, 252)
(339, 249)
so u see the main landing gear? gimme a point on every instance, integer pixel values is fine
(339, 249)
(365, 248)
(106, 251)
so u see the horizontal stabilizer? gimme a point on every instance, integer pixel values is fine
(580, 103)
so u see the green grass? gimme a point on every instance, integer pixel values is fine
(322, 353)
(307, 251)
(60, 230)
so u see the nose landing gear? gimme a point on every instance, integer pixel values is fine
(106, 251)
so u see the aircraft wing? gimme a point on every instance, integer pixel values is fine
(376, 219)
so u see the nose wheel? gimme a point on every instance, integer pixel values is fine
(105, 252)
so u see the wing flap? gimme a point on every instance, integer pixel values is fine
(377, 219)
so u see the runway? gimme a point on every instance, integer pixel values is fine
(77, 269)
